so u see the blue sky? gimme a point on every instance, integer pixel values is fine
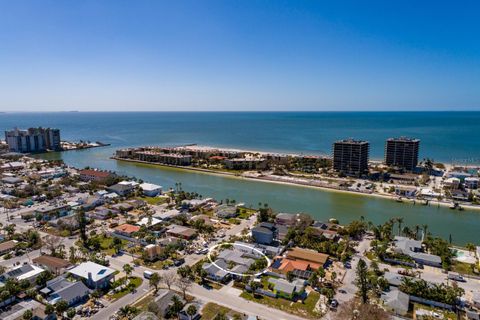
(239, 55)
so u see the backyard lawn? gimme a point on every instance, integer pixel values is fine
(211, 310)
(135, 283)
(305, 309)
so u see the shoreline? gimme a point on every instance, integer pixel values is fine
(297, 184)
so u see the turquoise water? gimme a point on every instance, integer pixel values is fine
(444, 136)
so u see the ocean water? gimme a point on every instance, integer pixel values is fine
(445, 136)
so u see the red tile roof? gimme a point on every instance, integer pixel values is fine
(127, 228)
(95, 173)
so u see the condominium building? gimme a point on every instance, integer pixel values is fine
(33, 140)
(351, 156)
(402, 152)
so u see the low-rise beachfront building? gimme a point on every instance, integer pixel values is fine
(286, 219)
(150, 189)
(452, 183)
(406, 191)
(194, 204)
(246, 163)
(120, 189)
(164, 158)
(226, 211)
(429, 193)
(94, 275)
(413, 249)
(472, 182)
(458, 174)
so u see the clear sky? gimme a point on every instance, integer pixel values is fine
(239, 55)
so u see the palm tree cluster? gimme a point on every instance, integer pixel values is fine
(431, 291)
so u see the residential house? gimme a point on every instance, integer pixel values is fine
(405, 191)
(24, 272)
(183, 315)
(163, 300)
(181, 232)
(206, 219)
(125, 231)
(146, 315)
(12, 180)
(95, 175)
(286, 219)
(60, 288)
(285, 289)
(120, 189)
(151, 190)
(94, 275)
(396, 301)
(226, 211)
(167, 215)
(264, 233)
(7, 246)
(49, 211)
(91, 202)
(52, 264)
(217, 272)
(153, 252)
(301, 262)
(414, 249)
(102, 213)
(149, 222)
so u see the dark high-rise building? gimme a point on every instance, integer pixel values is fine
(402, 152)
(33, 140)
(351, 156)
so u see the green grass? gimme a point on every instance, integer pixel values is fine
(210, 311)
(152, 200)
(448, 315)
(134, 280)
(107, 242)
(463, 268)
(144, 302)
(246, 213)
(305, 309)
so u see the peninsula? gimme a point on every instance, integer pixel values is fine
(398, 177)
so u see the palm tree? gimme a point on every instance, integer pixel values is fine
(400, 221)
(470, 247)
(128, 269)
(417, 228)
(191, 311)
(425, 228)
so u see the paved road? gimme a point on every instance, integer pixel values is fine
(227, 298)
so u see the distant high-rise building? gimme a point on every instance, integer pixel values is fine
(402, 152)
(351, 156)
(33, 140)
